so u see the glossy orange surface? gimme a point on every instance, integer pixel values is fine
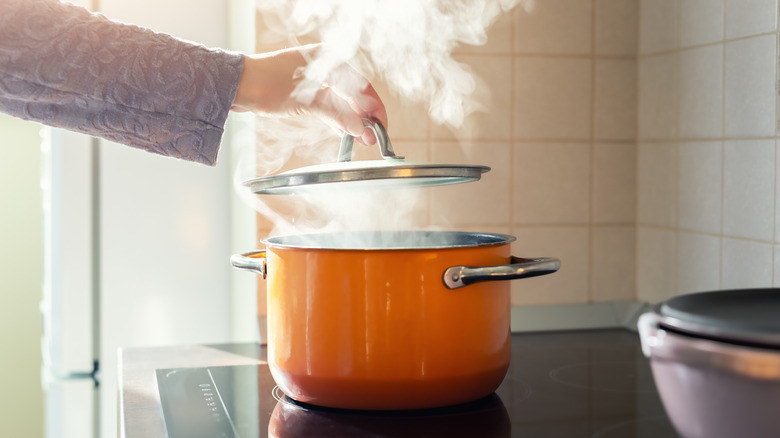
(377, 329)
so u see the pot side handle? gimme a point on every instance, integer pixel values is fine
(250, 261)
(459, 276)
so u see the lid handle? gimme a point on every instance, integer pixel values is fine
(385, 148)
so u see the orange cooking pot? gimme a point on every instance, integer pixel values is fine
(389, 320)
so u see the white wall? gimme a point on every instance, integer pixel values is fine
(164, 225)
(21, 273)
(707, 176)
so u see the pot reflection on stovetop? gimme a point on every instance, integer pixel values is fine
(482, 418)
(588, 384)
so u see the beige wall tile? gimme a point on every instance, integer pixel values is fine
(552, 98)
(656, 264)
(658, 25)
(751, 87)
(551, 183)
(750, 17)
(706, 189)
(776, 277)
(554, 26)
(749, 189)
(616, 95)
(616, 27)
(746, 264)
(493, 119)
(614, 190)
(493, 229)
(499, 37)
(407, 120)
(777, 191)
(613, 263)
(570, 283)
(658, 97)
(701, 92)
(701, 22)
(482, 202)
(411, 150)
(698, 262)
(657, 191)
(700, 176)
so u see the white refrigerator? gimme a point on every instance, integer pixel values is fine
(137, 246)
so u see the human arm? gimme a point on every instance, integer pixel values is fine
(66, 67)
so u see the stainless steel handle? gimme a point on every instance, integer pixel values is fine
(459, 276)
(250, 261)
(385, 147)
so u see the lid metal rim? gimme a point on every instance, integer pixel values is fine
(259, 185)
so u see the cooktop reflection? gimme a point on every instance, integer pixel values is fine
(564, 384)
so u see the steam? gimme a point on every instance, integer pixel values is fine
(406, 44)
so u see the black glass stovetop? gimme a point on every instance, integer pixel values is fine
(593, 384)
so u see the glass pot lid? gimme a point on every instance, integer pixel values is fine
(391, 172)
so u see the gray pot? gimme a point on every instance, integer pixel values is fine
(715, 358)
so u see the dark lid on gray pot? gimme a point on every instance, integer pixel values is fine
(742, 316)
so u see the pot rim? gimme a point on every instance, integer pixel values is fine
(387, 240)
(662, 344)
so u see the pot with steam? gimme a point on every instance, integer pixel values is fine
(389, 320)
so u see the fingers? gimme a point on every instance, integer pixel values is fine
(339, 113)
(353, 90)
(370, 105)
(375, 109)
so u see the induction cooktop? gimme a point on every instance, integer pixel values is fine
(593, 384)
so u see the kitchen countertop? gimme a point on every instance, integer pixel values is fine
(140, 411)
(563, 384)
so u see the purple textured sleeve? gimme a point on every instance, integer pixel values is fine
(66, 67)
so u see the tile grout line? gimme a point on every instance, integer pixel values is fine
(704, 140)
(711, 44)
(428, 156)
(777, 102)
(538, 140)
(513, 177)
(562, 55)
(674, 287)
(636, 148)
(722, 150)
(708, 234)
(512, 89)
(774, 209)
(592, 157)
(774, 167)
